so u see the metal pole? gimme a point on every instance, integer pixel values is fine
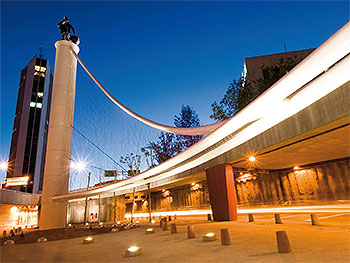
(132, 207)
(115, 208)
(99, 208)
(86, 199)
(149, 202)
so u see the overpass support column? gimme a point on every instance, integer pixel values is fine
(56, 173)
(222, 192)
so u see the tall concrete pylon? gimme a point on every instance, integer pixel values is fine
(53, 214)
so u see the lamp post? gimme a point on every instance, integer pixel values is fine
(3, 167)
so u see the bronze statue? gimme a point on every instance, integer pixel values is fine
(65, 28)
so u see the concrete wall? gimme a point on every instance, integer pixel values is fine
(18, 198)
(314, 184)
(322, 183)
(107, 211)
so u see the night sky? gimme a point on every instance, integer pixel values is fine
(152, 56)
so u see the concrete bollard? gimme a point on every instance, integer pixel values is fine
(314, 220)
(173, 229)
(209, 217)
(165, 226)
(225, 237)
(278, 219)
(283, 242)
(190, 231)
(251, 217)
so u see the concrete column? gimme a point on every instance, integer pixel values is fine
(222, 192)
(56, 175)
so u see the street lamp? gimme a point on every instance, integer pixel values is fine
(3, 166)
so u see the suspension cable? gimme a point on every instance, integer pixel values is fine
(200, 130)
(98, 148)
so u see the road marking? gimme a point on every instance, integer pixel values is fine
(327, 216)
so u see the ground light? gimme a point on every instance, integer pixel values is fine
(209, 237)
(149, 231)
(88, 240)
(133, 251)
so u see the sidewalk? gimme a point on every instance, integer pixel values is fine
(251, 242)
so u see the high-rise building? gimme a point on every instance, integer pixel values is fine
(30, 128)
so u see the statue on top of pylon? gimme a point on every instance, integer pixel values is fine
(65, 28)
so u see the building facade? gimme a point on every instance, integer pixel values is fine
(30, 128)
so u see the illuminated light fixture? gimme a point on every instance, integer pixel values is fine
(9, 242)
(101, 223)
(39, 105)
(40, 94)
(252, 158)
(196, 187)
(295, 168)
(209, 237)
(245, 177)
(137, 222)
(149, 231)
(163, 190)
(193, 184)
(41, 240)
(3, 166)
(166, 193)
(114, 229)
(118, 223)
(133, 251)
(87, 224)
(88, 240)
(80, 166)
(32, 104)
(69, 224)
(153, 221)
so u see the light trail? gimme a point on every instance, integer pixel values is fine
(323, 217)
(272, 210)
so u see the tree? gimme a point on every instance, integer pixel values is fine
(272, 74)
(133, 162)
(240, 93)
(187, 118)
(164, 148)
(149, 154)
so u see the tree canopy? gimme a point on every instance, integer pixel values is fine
(240, 93)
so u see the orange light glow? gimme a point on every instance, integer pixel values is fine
(245, 177)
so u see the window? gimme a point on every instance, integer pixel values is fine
(41, 69)
(37, 105)
(40, 94)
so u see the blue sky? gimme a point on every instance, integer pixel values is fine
(152, 56)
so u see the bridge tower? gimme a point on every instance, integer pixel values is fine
(53, 214)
